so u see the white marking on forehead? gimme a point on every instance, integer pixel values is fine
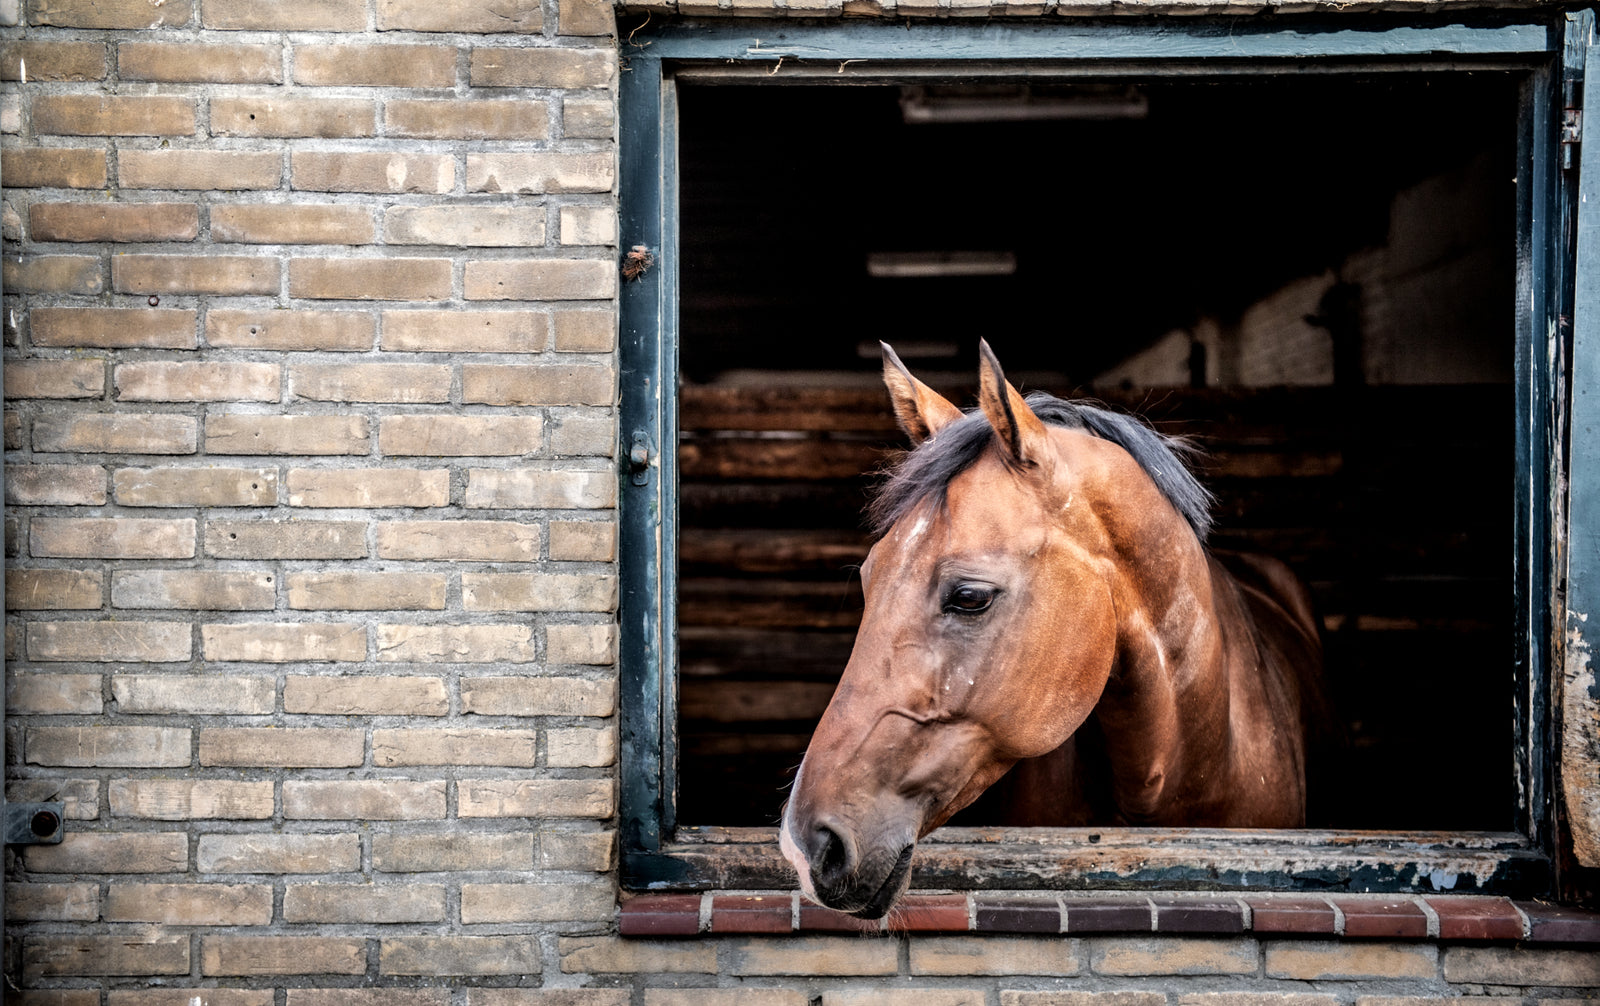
(916, 529)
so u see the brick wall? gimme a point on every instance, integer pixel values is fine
(309, 437)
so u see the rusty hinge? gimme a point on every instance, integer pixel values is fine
(1571, 123)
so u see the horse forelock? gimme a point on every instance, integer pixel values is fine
(926, 472)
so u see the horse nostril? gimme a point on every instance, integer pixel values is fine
(832, 855)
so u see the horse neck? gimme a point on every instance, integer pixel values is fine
(1164, 712)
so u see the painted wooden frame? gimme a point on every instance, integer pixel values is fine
(1546, 55)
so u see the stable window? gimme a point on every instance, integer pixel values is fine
(1333, 255)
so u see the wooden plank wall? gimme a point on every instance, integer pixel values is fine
(1393, 503)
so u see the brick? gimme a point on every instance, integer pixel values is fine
(469, 119)
(465, 331)
(57, 485)
(190, 904)
(588, 17)
(583, 541)
(375, 65)
(188, 997)
(190, 62)
(992, 955)
(581, 644)
(291, 435)
(366, 591)
(53, 694)
(191, 589)
(456, 643)
(611, 955)
(112, 433)
(1256, 999)
(515, 16)
(543, 172)
(284, 15)
(811, 955)
(363, 800)
(566, 850)
(228, 275)
(1469, 918)
(906, 997)
(365, 695)
(284, 643)
(537, 696)
(393, 172)
(1000, 914)
(220, 170)
(286, 539)
(54, 168)
(660, 915)
(297, 224)
(1317, 961)
(540, 798)
(459, 540)
(540, 279)
(580, 748)
(53, 589)
(111, 328)
(53, 903)
(381, 487)
(488, 903)
(370, 279)
(108, 747)
(274, 116)
(750, 913)
(1083, 999)
(1521, 965)
(111, 852)
(112, 115)
(460, 436)
(453, 852)
(585, 331)
(588, 118)
(1291, 915)
(194, 694)
(162, 381)
(547, 997)
(389, 996)
(68, 274)
(110, 13)
(153, 642)
(460, 955)
(585, 433)
(296, 747)
(1556, 924)
(282, 955)
(453, 746)
(114, 221)
(539, 489)
(1198, 915)
(1170, 955)
(538, 592)
(465, 226)
(189, 487)
(64, 956)
(372, 904)
(49, 62)
(408, 383)
(80, 798)
(191, 799)
(1391, 917)
(588, 225)
(111, 538)
(279, 853)
(544, 384)
(542, 67)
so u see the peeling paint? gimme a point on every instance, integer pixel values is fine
(1580, 742)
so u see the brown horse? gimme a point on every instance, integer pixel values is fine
(1042, 569)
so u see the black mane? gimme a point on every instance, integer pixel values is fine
(927, 471)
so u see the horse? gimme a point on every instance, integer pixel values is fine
(1040, 600)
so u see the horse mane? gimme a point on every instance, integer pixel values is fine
(927, 471)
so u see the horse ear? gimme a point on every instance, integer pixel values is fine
(920, 411)
(1021, 432)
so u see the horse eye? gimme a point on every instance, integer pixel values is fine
(969, 598)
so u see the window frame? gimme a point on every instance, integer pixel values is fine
(1545, 51)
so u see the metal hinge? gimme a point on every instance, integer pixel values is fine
(1571, 123)
(639, 457)
(34, 823)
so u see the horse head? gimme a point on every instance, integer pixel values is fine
(989, 631)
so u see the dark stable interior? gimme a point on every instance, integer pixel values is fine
(1313, 276)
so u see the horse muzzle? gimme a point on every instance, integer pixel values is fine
(839, 869)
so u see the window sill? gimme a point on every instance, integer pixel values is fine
(1437, 917)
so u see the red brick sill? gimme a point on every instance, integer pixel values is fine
(1440, 917)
